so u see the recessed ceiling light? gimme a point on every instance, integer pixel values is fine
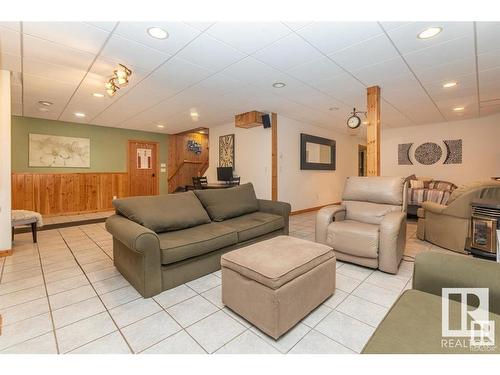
(79, 114)
(157, 33)
(98, 95)
(43, 109)
(202, 132)
(447, 85)
(160, 126)
(45, 103)
(430, 32)
(458, 109)
(279, 85)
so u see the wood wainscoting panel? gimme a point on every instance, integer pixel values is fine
(67, 193)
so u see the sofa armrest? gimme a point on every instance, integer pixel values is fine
(324, 217)
(277, 208)
(132, 235)
(434, 271)
(392, 241)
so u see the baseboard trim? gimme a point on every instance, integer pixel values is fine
(5, 253)
(305, 210)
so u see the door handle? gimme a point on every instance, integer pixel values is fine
(153, 175)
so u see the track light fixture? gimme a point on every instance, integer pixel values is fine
(120, 78)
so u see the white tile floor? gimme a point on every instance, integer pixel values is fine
(63, 295)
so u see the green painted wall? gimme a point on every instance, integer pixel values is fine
(108, 146)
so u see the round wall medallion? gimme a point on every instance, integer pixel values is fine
(428, 153)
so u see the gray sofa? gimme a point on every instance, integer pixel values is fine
(160, 242)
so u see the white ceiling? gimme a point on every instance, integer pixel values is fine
(222, 69)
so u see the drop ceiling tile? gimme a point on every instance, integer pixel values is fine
(423, 114)
(447, 72)
(489, 60)
(16, 94)
(250, 70)
(393, 25)
(489, 89)
(202, 26)
(210, 53)
(287, 53)
(342, 85)
(53, 72)
(372, 51)
(132, 54)
(444, 53)
(297, 25)
(137, 100)
(179, 34)
(76, 35)
(47, 89)
(10, 41)
(330, 37)
(16, 26)
(405, 37)
(175, 75)
(56, 54)
(248, 37)
(105, 25)
(488, 36)
(31, 105)
(466, 85)
(316, 71)
(378, 74)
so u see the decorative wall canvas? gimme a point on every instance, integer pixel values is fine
(446, 152)
(226, 150)
(57, 151)
(194, 146)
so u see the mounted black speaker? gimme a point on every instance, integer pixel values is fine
(266, 121)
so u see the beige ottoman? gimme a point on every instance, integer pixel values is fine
(274, 284)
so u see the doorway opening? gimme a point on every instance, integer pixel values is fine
(361, 160)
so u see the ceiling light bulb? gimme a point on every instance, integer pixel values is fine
(157, 33)
(45, 103)
(447, 85)
(79, 114)
(458, 109)
(430, 32)
(279, 85)
(160, 126)
(98, 95)
(111, 87)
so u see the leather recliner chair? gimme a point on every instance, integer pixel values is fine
(369, 227)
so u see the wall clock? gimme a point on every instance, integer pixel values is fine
(226, 150)
(353, 122)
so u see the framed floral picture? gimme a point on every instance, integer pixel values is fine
(226, 150)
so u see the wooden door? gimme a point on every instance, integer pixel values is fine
(143, 167)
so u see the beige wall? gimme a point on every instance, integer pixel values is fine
(306, 189)
(252, 156)
(480, 142)
(303, 189)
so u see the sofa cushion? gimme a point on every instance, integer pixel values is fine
(222, 204)
(191, 242)
(255, 224)
(277, 261)
(367, 212)
(418, 315)
(354, 238)
(163, 213)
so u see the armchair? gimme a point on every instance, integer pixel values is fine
(369, 227)
(448, 225)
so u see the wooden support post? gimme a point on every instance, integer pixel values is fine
(274, 156)
(373, 132)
